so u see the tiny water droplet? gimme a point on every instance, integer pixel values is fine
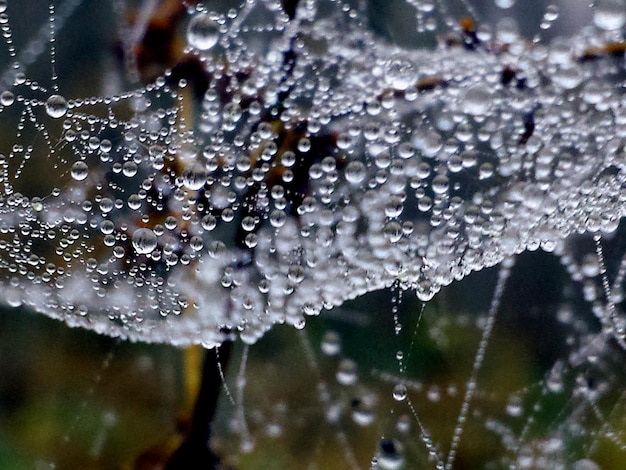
(331, 343)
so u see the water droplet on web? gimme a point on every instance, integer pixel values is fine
(477, 100)
(194, 176)
(504, 4)
(609, 15)
(7, 98)
(568, 76)
(202, 32)
(331, 343)
(129, 169)
(363, 410)
(346, 372)
(390, 455)
(79, 171)
(144, 241)
(399, 392)
(400, 73)
(515, 407)
(585, 464)
(355, 172)
(56, 106)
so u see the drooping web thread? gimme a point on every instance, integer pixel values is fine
(286, 165)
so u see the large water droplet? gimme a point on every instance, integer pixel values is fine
(79, 171)
(202, 32)
(56, 106)
(355, 172)
(399, 392)
(144, 241)
(7, 98)
(477, 99)
(400, 73)
(610, 14)
(585, 464)
(390, 455)
(194, 176)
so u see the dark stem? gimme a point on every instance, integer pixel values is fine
(195, 452)
(290, 6)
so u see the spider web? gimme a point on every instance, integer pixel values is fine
(119, 201)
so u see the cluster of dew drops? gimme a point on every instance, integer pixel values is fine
(320, 163)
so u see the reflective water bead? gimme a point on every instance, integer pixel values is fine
(209, 222)
(194, 176)
(134, 202)
(585, 464)
(399, 392)
(400, 73)
(79, 171)
(346, 373)
(609, 15)
(504, 4)
(56, 106)
(7, 98)
(129, 169)
(288, 158)
(355, 172)
(144, 241)
(331, 343)
(202, 32)
(390, 455)
(477, 100)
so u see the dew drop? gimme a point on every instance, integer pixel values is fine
(134, 202)
(79, 171)
(144, 241)
(400, 73)
(362, 411)
(194, 176)
(610, 14)
(288, 158)
(399, 392)
(477, 99)
(56, 106)
(568, 76)
(355, 172)
(585, 464)
(36, 204)
(7, 98)
(390, 455)
(129, 169)
(202, 32)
